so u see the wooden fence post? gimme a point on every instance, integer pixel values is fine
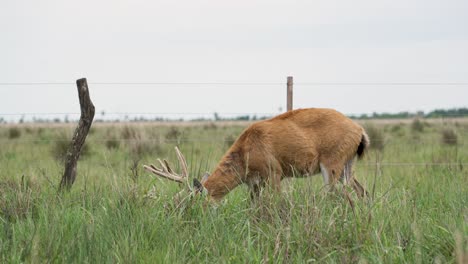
(79, 136)
(289, 102)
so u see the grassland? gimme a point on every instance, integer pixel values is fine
(417, 174)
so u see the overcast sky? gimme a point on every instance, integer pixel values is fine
(241, 41)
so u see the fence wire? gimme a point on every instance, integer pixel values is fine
(182, 139)
(246, 83)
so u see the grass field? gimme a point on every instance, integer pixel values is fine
(417, 174)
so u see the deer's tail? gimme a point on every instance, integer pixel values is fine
(365, 142)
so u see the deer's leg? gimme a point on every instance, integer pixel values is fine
(331, 174)
(325, 174)
(347, 174)
(348, 178)
(254, 192)
(255, 186)
(274, 174)
(274, 181)
(358, 188)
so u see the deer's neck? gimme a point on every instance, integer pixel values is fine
(228, 175)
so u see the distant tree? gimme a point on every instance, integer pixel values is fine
(455, 112)
(242, 118)
(216, 116)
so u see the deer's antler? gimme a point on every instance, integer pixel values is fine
(166, 172)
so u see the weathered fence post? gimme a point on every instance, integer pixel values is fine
(289, 102)
(79, 136)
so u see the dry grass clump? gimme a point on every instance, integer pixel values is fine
(376, 136)
(140, 144)
(17, 199)
(129, 133)
(398, 130)
(138, 149)
(210, 126)
(449, 137)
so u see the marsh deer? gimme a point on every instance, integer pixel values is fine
(297, 143)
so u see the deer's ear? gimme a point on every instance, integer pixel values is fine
(197, 186)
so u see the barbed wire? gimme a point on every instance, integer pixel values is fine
(368, 116)
(182, 139)
(139, 113)
(246, 83)
(383, 83)
(398, 163)
(142, 83)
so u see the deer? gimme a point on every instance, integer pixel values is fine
(298, 143)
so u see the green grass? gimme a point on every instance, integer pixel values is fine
(417, 213)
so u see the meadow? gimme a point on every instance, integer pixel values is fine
(416, 173)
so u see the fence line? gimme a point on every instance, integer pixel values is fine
(219, 113)
(139, 113)
(144, 83)
(247, 83)
(160, 140)
(398, 163)
(412, 164)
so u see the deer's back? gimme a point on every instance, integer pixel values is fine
(302, 138)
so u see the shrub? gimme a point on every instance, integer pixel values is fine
(395, 128)
(29, 130)
(173, 133)
(61, 145)
(112, 143)
(417, 125)
(40, 131)
(137, 150)
(229, 140)
(14, 132)
(449, 137)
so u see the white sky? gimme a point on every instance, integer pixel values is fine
(232, 41)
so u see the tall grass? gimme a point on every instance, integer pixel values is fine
(416, 214)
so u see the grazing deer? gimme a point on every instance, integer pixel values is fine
(297, 143)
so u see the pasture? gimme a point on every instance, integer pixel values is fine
(416, 172)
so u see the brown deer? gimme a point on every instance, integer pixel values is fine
(297, 143)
